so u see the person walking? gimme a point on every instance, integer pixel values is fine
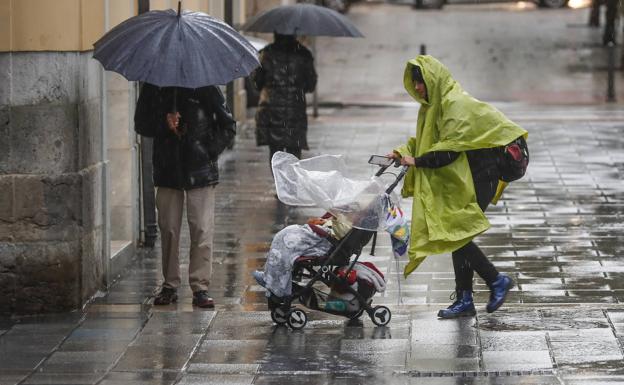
(454, 174)
(285, 75)
(190, 127)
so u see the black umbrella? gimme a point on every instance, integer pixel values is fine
(303, 19)
(183, 49)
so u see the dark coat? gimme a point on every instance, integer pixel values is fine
(286, 74)
(189, 161)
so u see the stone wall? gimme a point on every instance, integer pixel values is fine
(51, 173)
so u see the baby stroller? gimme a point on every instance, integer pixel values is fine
(339, 271)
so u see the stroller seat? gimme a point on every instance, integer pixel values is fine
(341, 250)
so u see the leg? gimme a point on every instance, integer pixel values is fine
(609, 29)
(296, 151)
(200, 215)
(499, 284)
(273, 148)
(463, 272)
(470, 258)
(169, 203)
(594, 14)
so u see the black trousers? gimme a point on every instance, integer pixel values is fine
(470, 258)
(296, 151)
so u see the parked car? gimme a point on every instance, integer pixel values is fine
(438, 4)
(341, 6)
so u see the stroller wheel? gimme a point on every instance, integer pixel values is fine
(279, 315)
(297, 319)
(380, 315)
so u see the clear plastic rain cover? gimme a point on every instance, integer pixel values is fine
(321, 181)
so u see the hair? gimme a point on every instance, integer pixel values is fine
(417, 74)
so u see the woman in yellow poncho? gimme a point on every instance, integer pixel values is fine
(453, 177)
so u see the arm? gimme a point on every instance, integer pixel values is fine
(225, 123)
(433, 159)
(257, 76)
(310, 74)
(145, 117)
(436, 159)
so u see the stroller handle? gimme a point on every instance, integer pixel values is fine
(398, 179)
(395, 163)
(382, 168)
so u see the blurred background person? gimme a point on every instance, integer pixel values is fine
(286, 74)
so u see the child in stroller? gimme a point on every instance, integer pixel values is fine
(305, 261)
(314, 239)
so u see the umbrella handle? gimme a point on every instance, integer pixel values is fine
(179, 8)
(175, 99)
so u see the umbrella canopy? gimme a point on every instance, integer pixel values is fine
(303, 19)
(165, 48)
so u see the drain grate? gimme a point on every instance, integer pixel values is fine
(501, 373)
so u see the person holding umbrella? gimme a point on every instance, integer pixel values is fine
(181, 57)
(285, 75)
(287, 71)
(190, 127)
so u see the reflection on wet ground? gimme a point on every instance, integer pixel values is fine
(557, 232)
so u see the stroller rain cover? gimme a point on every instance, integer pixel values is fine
(321, 181)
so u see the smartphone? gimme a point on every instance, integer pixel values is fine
(380, 160)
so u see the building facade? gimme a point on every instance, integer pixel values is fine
(71, 193)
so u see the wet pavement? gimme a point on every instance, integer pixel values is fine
(557, 232)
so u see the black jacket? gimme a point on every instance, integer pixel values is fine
(189, 161)
(286, 74)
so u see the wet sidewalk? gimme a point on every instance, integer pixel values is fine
(557, 232)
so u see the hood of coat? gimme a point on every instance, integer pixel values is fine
(438, 79)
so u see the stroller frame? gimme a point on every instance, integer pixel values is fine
(321, 269)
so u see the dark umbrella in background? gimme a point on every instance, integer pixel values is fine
(303, 19)
(184, 49)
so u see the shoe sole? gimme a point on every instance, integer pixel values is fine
(207, 305)
(511, 286)
(464, 314)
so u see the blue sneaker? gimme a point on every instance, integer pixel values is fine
(498, 292)
(462, 307)
(259, 277)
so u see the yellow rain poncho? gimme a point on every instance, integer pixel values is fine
(445, 213)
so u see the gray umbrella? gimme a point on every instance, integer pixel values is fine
(165, 48)
(303, 19)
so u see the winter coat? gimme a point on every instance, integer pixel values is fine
(188, 161)
(445, 214)
(285, 75)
